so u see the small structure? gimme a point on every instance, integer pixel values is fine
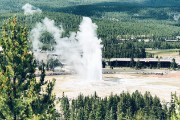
(173, 40)
(177, 37)
(58, 69)
(148, 62)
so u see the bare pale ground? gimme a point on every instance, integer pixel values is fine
(121, 80)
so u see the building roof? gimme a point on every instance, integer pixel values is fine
(171, 40)
(178, 37)
(141, 59)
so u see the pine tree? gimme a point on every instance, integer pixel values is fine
(73, 110)
(111, 114)
(176, 114)
(173, 64)
(22, 96)
(158, 64)
(120, 116)
(99, 112)
(65, 107)
(128, 114)
(132, 62)
(107, 116)
(138, 65)
(91, 116)
(139, 115)
(120, 113)
(80, 114)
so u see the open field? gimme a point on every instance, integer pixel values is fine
(119, 80)
(173, 53)
(167, 53)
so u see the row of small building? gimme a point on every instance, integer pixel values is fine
(147, 62)
(148, 39)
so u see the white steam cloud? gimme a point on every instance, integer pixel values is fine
(46, 25)
(81, 51)
(30, 10)
(176, 17)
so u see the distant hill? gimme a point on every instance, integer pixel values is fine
(15, 5)
(162, 2)
(142, 2)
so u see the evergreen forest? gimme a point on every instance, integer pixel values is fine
(123, 25)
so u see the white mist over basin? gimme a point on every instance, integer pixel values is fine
(81, 51)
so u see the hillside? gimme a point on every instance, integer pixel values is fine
(15, 5)
(116, 20)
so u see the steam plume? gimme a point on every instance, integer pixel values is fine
(81, 51)
(30, 10)
(176, 17)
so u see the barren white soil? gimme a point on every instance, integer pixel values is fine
(158, 82)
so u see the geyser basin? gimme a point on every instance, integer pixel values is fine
(159, 85)
(81, 51)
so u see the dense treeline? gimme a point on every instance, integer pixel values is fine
(135, 49)
(162, 45)
(108, 32)
(123, 50)
(130, 8)
(23, 96)
(162, 2)
(107, 29)
(114, 19)
(69, 22)
(14, 5)
(135, 106)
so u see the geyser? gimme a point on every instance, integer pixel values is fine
(81, 51)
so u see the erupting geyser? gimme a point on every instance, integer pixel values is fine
(81, 51)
